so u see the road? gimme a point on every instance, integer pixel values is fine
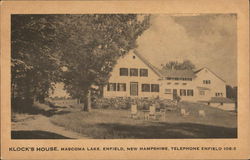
(40, 127)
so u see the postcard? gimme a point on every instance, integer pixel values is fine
(125, 79)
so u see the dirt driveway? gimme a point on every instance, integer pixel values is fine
(39, 126)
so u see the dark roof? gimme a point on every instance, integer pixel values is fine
(156, 70)
(198, 70)
(210, 71)
(178, 73)
(221, 100)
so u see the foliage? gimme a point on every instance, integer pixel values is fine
(231, 92)
(34, 60)
(185, 65)
(126, 102)
(91, 45)
(177, 98)
(79, 50)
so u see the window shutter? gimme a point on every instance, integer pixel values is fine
(118, 86)
(108, 87)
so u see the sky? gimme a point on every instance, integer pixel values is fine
(208, 40)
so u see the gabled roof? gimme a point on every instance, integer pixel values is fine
(171, 73)
(209, 71)
(153, 68)
(178, 73)
(166, 73)
(221, 100)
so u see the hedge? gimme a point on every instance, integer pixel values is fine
(126, 102)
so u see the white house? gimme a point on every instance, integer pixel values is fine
(134, 76)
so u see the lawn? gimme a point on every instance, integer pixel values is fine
(117, 124)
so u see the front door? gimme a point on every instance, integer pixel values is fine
(174, 94)
(133, 88)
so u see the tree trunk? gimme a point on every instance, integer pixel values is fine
(87, 102)
(28, 96)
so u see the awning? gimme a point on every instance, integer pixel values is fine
(203, 88)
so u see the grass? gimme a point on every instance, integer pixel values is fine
(113, 124)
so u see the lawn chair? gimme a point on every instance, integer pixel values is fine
(175, 103)
(152, 112)
(184, 113)
(163, 114)
(146, 114)
(202, 113)
(133, 111)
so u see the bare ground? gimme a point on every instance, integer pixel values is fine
(26, 126)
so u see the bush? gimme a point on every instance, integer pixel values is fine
(126, 102)
(177, 98)
(113, 103)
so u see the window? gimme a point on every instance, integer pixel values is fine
(121, 86)
(123, 71)
(190, 92)
(168, 91)
(168, 78)
(182, 92)
(112, 87)
(133, 72)
(184, 83)
(145, 87)
(218, 94)
(168, 83)
(202, 93)
(133, 57)
(143, 72)
(176, 78)
(187, 79)
(206, 82)
(155, 88)
(176, 83)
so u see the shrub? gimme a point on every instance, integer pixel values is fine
(126, 102)
(177, 98)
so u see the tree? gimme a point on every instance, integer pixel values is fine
(231, 92)
(185, 65)
(91, 45)
(34, 60)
